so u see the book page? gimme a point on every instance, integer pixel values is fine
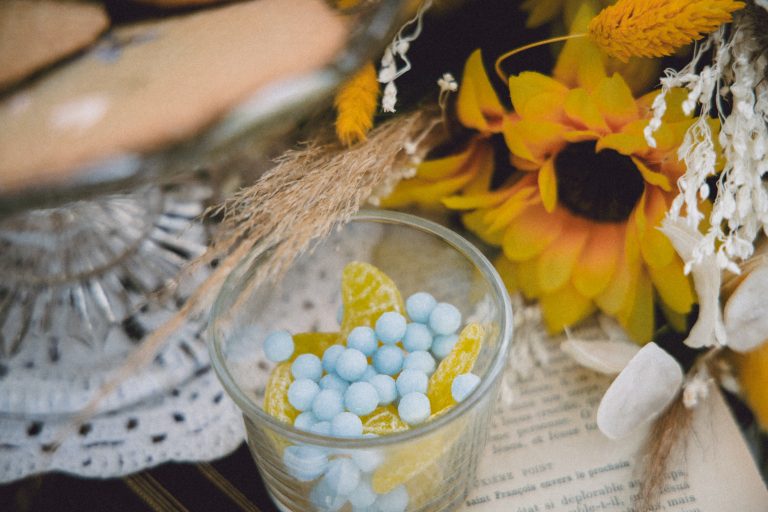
(545, 453)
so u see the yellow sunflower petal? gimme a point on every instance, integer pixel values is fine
(670, 135)
(580, 63)
(474, 222)
(583, 110)
(564, 308)
(537, 97)
(548, 185)
(477, 200)
(526, 278)
(508, 272)
(638, 319)
(655, 247)
(673, 286)
(625, 143)
(621, 288)
(442, 168)
(530, 233)
(478, 106)
(753, 367)
(556, 263)
(674, 100)
(533, 140)
(499, 218)
(651, 176)
(597, 262)
(580, 135)
(540, 12)
(678, 321)
(615, 101)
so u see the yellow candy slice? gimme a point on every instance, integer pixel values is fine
(276, 395)
(313, 343)
(382, 421)
(366, 293)
(460, 360)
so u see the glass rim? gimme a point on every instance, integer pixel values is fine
(461, 245)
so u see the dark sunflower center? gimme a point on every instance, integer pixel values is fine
(603, 186)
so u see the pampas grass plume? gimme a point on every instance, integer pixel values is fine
(356, 105)
(655, 28)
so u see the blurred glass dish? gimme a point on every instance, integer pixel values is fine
(158, 98)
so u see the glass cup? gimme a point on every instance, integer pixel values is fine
(427, 467)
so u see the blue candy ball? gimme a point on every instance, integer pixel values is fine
(302, 393)
(463, 385)
(444, 319)
(367, 460)
(361, 398)
(390, 327)
(388, 360)
(414, 408)
(385, 387)
(307, 366)
(370, 372)
(278, 346)
(362, 496)
(342, 476)
(395, 500)
(351, 364)
(421, 361)
(321, 428)
(305, 463)
(417, 337)
(325, 499)
(363, 339)
(305, 420)
(419, 306)
(443, 344)
(333, 381)
(412, 381)
(327, 404)
(346, 424)
(330, 356)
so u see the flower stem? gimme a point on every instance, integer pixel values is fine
(510, 53)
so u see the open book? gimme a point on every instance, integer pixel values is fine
(545, 453)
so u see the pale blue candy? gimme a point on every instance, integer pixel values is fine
(363, 339)
(351, 364)
(305, 420)
(417, 337)
(443, 344)
(327, 404)
(346, 424)
(412, 381)
(325, 499)
(363, 495)
(321, 428)
(420, 360)
(333, 381)
(342, 476)
(388, 360)
(390, 327)
(305, 463)
(419, 306)
(463, 385)
(302, 393)
(361, 398)
(278, 346)
(444, 319)
(307, 366)
(330, 356)
(395, 500)
(414, 408)
(370, 372)
(367, 460)
(385, 387)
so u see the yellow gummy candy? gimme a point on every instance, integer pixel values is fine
(276, 395)
(460, 360)
(384, 420)
(366, 293)
(313, 343)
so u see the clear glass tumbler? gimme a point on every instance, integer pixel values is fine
(427, 468)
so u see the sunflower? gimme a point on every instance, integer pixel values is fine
(577, 218)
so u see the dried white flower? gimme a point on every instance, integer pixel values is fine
(696, 389)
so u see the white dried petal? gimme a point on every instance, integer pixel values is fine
(640, 393)
(746, 313)
(608, 357)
